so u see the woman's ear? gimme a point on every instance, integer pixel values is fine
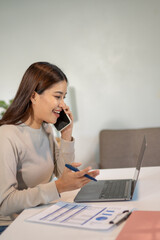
(33, 97)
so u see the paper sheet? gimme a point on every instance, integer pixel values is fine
(79, 215)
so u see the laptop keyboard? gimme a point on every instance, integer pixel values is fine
(113, 189)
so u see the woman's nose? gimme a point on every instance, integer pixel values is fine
(62, 103)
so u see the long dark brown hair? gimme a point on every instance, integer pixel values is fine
(38, 77)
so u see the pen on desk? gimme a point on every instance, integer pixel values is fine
(76, 170)
(121, 220)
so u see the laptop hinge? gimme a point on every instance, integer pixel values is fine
(133, 187)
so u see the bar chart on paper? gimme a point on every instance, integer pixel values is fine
(79, 215)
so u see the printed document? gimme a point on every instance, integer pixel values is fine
(79, 215)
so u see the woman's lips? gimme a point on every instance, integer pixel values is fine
(56, 113)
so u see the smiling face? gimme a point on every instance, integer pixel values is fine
(46, 106)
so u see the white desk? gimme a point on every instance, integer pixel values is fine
(147, 197)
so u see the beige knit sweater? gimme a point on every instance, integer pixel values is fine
(29, 158)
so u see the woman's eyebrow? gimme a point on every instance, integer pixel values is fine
(60, 92)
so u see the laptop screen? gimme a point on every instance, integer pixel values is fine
(139, 163)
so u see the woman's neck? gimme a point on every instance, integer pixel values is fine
(33, 123)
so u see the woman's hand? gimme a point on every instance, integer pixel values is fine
(66, 134)
(74, 180)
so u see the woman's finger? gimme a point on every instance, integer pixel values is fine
(94, 173)
(83, 172)
(76, 164)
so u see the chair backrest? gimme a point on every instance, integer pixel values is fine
(120, 148)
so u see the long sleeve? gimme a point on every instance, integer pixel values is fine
(62, 153)
(26, 167)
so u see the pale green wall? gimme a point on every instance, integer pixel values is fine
(109, 49)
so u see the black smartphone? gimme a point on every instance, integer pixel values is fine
(63, 121)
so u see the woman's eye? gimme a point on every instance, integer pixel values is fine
(58, 97)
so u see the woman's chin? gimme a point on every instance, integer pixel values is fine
(51, 121)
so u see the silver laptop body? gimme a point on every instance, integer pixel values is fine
(112, 190)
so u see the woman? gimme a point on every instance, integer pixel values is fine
(29, 155)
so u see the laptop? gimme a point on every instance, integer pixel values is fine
(112, 190)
